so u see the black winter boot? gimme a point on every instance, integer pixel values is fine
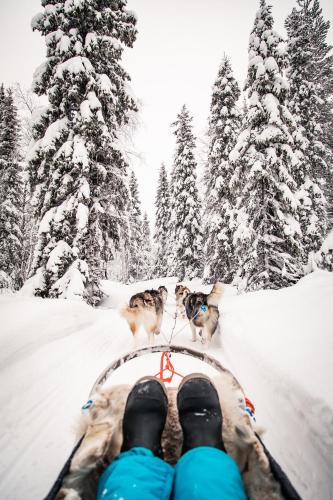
(200, 414)
(145, 414)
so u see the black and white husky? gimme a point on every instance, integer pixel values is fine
(203, 313)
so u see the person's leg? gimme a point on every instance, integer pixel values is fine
(136, 474)
(204, 471)
(139, 472)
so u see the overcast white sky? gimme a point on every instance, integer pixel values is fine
(174, 61)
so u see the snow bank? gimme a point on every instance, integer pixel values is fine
(280, 345)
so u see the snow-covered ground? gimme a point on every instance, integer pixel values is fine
(279, 344)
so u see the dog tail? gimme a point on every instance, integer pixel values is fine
(129, 313)
(215, 295)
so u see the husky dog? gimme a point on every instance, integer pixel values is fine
(146, 308)
(181, 292)
(203, 313)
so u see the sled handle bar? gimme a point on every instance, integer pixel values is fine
(202, 356)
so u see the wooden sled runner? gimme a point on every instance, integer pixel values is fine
(101, 431)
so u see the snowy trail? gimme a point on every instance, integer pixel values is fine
(278, 345)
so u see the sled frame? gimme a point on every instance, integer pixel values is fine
(177, 349)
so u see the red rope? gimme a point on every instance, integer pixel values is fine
(250, 405)
(166, 366)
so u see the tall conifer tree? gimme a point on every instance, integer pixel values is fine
(268, 235)
(162, 219)
(2, 124)
(10, 192)
(146, 248)
(77, 168)
(136, 267)
(309, 91)
(224, 124)
(186, 215)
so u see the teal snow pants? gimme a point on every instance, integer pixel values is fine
(201, 473)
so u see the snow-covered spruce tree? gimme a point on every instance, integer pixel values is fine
(322, 71)
(162, 204)
(136, 264)
(224, 124)
(77, 168)
(146, 248)
(2, 106)
(268, 236)
(28, 227)
(185, 259)
(307, 103)
(11, 191)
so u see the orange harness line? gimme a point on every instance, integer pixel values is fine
(250, 405)
(166, 366)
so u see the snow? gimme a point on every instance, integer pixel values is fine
(84, 191)
(82, 216)
(38, 74)
(64, 44)
(61, 250)
(105, 83)
(271, 64)
(71, 284)
(80, 153)
(36, 20)
(44, 226)
(278, 344)
(327, 243)
(272, 105)
(94, 102)
(74, 65)
(53, 132)
(85, 110)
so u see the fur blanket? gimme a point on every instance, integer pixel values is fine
(101, 425)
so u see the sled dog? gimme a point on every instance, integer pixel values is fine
(146, 309)
(181, 292)
(203, 313)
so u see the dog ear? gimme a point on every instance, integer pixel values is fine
(189, 299)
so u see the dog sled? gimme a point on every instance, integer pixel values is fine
(101, 432)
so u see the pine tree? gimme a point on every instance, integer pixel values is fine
(11, 191)
(146, 248)
(268, 233)
(28, 229)
(2, 125)
(307, 103)
(322, 76)
(224, 126)
(136, 263)
(162, 204)
(77, 167)
(185, 236)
